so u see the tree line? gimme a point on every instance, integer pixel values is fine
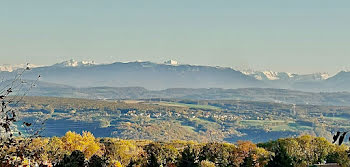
(84, 149)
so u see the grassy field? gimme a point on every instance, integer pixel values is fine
(336, 118)
(275, 125)
(262, 122)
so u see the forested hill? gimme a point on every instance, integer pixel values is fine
(247, 94)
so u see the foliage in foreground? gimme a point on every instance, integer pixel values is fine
(85, 150)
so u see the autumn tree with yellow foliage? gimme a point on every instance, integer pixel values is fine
(85, 143)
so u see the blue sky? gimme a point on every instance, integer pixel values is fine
(301, 36)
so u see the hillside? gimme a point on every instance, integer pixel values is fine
(200, 120)
(248, 94)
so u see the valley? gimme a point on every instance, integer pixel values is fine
(176, 119)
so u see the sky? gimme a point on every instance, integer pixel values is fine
(299, 36)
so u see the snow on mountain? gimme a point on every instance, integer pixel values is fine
(170, 74)
(269, 75)
(171, 62)
(259, 75)
(150, 75)
(10, 68)
(272, 76)
(68, 63)
(73, 63)
(314, 76)
(325, 76)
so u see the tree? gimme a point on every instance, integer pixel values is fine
(222, 154)
(96, 161)
(262, 156)
(160, 154)
(117, 164)
(85, 143)
(15, 150)
(281, 157)
(36, 147)
(206, 163)
(189, 156)
(340, 155)
(249, 155)
(55, 149)
(12, 93)
(304, 151)
(76, 159)
(249, 162)
(122, 150)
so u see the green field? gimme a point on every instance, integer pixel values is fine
(337, 118)
(275, 125)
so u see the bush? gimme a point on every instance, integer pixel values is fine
(206, 163)
(76, 159)
(96, 161)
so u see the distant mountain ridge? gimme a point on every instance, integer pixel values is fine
(244, 94)
(271, 75)
(145, 74)
(74, 63)
(11, 68)
(156, 76)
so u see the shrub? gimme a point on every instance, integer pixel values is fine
(206, 163)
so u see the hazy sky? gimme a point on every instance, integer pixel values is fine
(300, 36)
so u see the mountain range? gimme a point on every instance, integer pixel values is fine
(157, 76)
(271, 75)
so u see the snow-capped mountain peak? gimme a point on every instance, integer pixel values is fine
(272, 76)
(324, 76)
(74, 63)
(171, 62)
